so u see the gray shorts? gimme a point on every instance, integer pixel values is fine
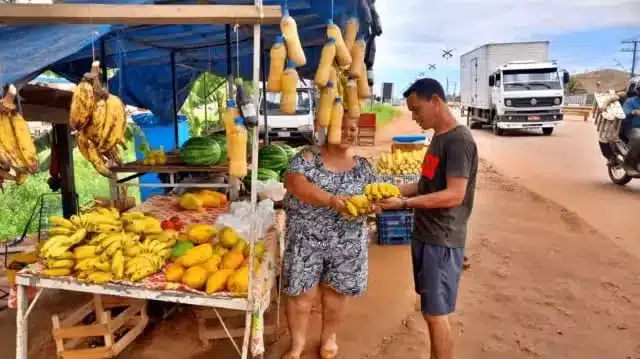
(436, 272)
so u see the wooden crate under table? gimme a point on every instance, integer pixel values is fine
(69, 333)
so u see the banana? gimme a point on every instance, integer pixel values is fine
(114, 212)
(103, 266)
(56, 272)
(56, 231)
(106, 228)
(113, 247)
(65, 255)
(352, 209)
(133, 251)
(130, 216)
(160, 246)
(25, 142)
(62, 263)
(89, 151)
(104, 257)
(86, 264)
(117, 266)
(96, 239)
(165, 253)
(83, 99)
(100, 277)
(141, 274)
(129, 270)
(10, 144)
(108, 241)
(78, 236)
(76, 221)
(83, 252)
(61, 222)
(115, 116)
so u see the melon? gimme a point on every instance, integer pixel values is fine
(222, 142)
(273, 157)
(289, 150)
(264, 174)
(200, 151)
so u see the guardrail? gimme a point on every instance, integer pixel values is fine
(585, 111)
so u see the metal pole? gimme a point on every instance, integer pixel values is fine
(263, 64)
(174, 98)
(633, 59)
(234, 182)
(62, 137)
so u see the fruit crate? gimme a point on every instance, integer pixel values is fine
(394, 227)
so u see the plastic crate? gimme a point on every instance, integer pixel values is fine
(394, 227)
(398, 179)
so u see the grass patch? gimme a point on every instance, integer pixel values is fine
(17, 202)
(384, 112)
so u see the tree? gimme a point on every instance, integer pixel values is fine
(574, 86)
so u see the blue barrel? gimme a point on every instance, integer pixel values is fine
(158, 133)
(410, 139)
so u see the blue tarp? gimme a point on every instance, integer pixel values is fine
(142, 53)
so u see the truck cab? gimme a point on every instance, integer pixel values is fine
(527, 95)
(295, 128)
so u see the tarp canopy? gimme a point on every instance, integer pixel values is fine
(142, 54)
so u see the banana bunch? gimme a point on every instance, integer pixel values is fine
(359, 205)
(146, 258)
(401, 162)
(100, 120)
(18, 155)
(378, 191)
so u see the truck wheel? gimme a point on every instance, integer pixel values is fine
(496, 130)
(547, 131)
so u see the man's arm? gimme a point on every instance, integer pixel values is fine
(409, 189)
(461, 156)
(631, 107)
(451, 197)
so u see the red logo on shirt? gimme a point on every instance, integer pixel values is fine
(429, 165)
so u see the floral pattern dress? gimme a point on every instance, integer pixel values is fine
(320, 244)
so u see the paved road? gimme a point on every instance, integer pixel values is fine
(568, 168)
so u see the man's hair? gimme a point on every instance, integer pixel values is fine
(425, 88)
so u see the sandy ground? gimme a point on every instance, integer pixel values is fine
(546, 280)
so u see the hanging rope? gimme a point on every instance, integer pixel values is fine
(331, 9)
(236, 29)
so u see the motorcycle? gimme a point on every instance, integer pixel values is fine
(609, 116)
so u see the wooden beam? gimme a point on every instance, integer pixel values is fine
(126, 14)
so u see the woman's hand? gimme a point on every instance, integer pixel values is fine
(338, 203)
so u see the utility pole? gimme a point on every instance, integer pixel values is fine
(634, 51)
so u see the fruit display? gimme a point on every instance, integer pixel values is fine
(359, 205)
(357, 55)
(18, 155)
(102, 245)
(199, 200)
(401, 162)
(378, 191)
(335, 126)
(289, 30)
(201, 151)
(100, 120)
(155, 157)
(327, 97)
(278, 57)
(351, 31)
(215, 268)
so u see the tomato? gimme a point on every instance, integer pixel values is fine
(178, 226)
(175, 219)
(166, 224)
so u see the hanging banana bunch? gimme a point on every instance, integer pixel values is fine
(101, 121)
(18, 157)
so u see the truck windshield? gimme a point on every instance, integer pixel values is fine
(531, 80)
(303, 104)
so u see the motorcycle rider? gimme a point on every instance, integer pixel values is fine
(631, 127)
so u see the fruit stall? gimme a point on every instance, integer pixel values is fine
(210, 246)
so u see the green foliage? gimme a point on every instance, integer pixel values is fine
(574, 87)
(384, 112)
(17, 202)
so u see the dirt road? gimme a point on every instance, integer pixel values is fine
(568, 168)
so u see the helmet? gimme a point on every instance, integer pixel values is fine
(633, 88)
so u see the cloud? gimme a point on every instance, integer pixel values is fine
(416, 31)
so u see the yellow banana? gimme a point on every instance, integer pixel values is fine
(100, 277)
(352, 209)
(117, 266)
(62, 263)
(10, 144)
(24, 142)
(61, 222)
(56, 272)
(56, 231)
(82, 104)
(141, 274)
(83, 252)
(103, 266)
(89, 151)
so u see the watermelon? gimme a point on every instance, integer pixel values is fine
(222, 142)
(273, 157)
(289, 150)
(200, 151)
(264, 174)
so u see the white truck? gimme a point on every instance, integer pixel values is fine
(512, 86)
(295, 129)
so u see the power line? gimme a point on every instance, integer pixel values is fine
(634, 52)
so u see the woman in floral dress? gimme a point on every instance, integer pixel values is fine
(325, 253)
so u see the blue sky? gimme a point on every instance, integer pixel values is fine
(416, 31)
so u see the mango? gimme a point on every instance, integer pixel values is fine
(174, 273)
(212, 264)
(228, 237)
(196, 255)
(258, 250)
(239, 281)
(195, 277)
(220, 250)
(201, 233)
(232, 260)
(240, 246)
(218, 281)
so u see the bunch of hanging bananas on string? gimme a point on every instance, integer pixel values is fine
(100, 120)
(18, 155)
